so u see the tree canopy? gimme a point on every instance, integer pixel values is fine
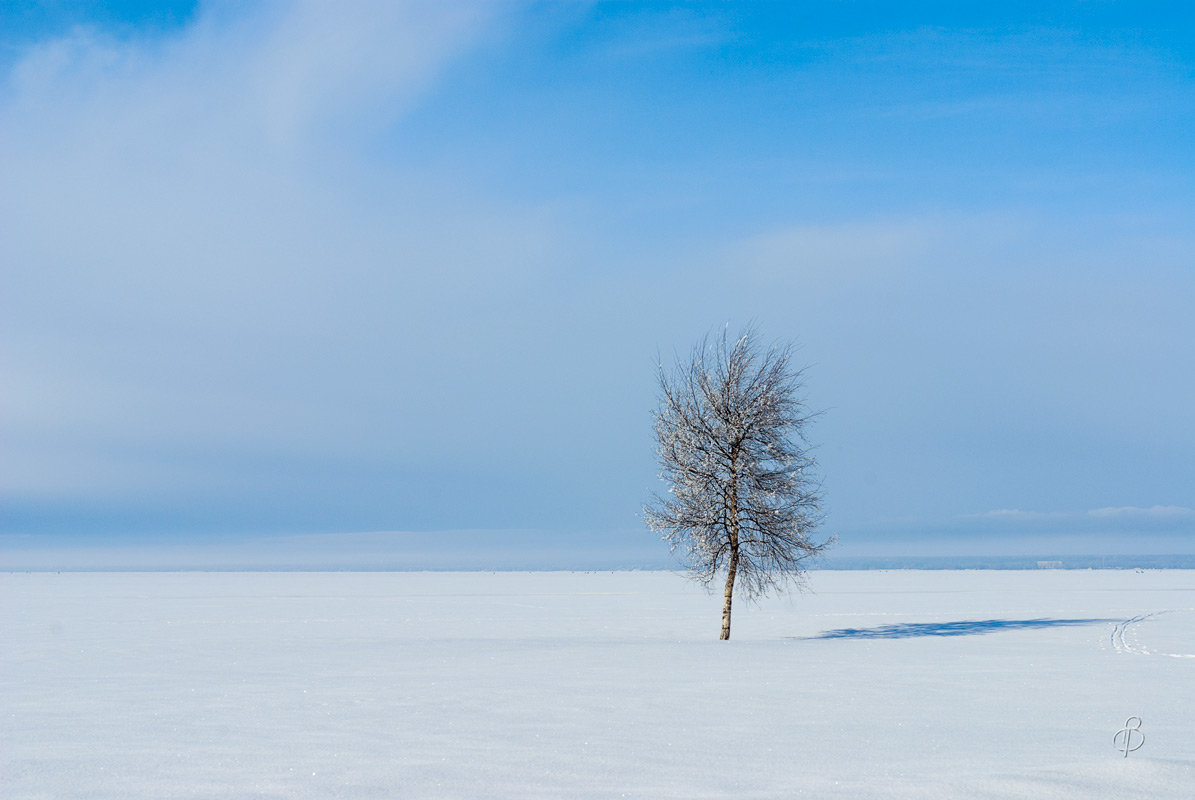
(742, 491)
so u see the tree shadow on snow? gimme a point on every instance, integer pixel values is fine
(968, 627)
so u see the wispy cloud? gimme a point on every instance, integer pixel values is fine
(278, 72)
(1123, 518)
(1120, 512)
(1014, 514)
(1153, 512)
(837, 254)
(192, 218)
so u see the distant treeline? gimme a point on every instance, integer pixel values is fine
(565, 563)
(1009, 562)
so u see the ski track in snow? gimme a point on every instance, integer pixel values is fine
(1126, 634)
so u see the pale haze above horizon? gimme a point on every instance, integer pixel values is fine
(314, 284)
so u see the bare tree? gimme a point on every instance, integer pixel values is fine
(742, 496)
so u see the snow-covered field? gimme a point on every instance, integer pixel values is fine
(575, 685)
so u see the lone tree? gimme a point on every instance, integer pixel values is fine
(742, 496)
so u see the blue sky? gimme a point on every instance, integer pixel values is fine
(391, 279)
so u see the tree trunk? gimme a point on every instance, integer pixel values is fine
(728, 596)
(733, 567)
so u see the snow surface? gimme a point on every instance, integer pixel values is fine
(551, 685)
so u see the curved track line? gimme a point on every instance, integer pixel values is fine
(1124, 636)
